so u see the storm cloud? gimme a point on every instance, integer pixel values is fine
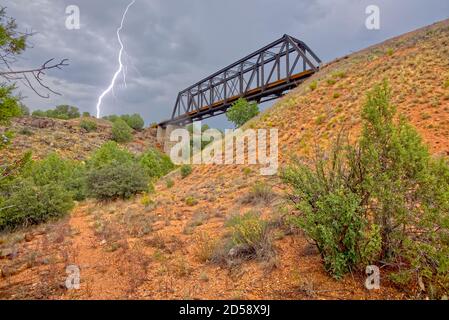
(172, 44)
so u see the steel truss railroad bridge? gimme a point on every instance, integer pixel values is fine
(263, 75)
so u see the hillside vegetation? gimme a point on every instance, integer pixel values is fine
(72, 139)
(225, 232)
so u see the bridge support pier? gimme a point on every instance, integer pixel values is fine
(167, 143)
(163, 137)
(160, 135)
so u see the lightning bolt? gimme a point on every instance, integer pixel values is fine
(120, 69)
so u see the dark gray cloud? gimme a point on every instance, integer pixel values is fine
(171, 44)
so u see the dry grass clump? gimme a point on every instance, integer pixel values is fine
(249, 238)
(138, 224)
(180, 267)
(198, 219)
(206, 247)
(260, 193)
(157, 241)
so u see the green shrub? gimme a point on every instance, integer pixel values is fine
(135, 121)
(11, 171)
(320, 119)
(386, 199)
(88, 125)
(339, 74)
(191, 201)
(31, 204)
(108, 153)
(146, 201)
(121, 132)
(313, 85)
(336, 224)
(111, 118)
(446, 84)
(64, 112)
(86, 114)
(9, 174)
(169, 183)
(247, 171)
(77, 184)
(111, 164)
(186, 170)
(38, 113)
(51, 169)
(242, 111)
(70, 175)
(156, 163)
(204, 143)
(117, 180)
(9, 104)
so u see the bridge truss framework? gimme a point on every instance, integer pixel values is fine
(263, 75)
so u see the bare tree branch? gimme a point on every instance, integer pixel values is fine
(31, 77)
(38, 71)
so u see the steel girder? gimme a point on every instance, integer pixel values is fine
(269, 71)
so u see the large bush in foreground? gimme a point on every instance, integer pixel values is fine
(22, 200)
(384, 200)
(55, 170)
(36, 191)
(117, 180)
(113, 172)
(107, 153)
(31, 204)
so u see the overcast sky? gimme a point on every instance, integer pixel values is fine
(170, 44)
